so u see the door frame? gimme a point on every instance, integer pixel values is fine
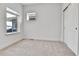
(64, 20)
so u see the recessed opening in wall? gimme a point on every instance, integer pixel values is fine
(31, 16)
(12, 21)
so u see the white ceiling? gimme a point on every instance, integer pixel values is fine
(34, 3)
(29, 3)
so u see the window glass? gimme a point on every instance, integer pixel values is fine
(11, 22)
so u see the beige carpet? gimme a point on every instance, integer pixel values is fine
(37, 48)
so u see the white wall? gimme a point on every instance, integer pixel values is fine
(47, 26)
(6, 40)
(78, 31)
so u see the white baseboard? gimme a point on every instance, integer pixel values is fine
(54, 39)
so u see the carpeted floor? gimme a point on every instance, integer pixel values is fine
(37, 48)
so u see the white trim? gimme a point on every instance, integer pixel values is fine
(46, 39)
(11, 33)
(12, 11)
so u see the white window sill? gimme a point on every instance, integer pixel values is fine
(11, 33)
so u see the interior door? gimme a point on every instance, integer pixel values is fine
(71, 27)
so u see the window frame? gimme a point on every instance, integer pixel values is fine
(9, 10)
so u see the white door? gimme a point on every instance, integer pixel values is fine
(71, 27)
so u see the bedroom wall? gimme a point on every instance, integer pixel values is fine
(47, 25)
(6, 40)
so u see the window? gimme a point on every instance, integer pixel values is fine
(31, 16)
(12, 21)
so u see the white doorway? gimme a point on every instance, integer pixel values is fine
(71, 26)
